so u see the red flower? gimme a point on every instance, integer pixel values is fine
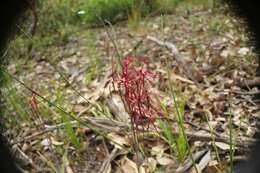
(134, 82)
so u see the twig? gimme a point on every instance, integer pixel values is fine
(246, 93)
(250, 83)
(202, 128)
(241, 142)
(26, 158)
(192, 73)
(48, 129)
(108, 160)
(188, 163)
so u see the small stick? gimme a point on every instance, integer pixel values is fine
(192, 73)
(109, 159)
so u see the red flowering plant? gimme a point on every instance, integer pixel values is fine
(33, 103)
(134, 82)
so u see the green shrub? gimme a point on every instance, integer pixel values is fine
(95, 12)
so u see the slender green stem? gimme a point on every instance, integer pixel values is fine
(183, 132)
(213, 140)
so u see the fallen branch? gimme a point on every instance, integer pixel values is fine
(106, 163)
(250, 83)
(106, 125)
(240, 142)
(192, 73)
(48, 129)
(188, 163)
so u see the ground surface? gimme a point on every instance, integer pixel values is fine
(214, 58)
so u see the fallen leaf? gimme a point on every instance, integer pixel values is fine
(204, 161)
(150, 164)
(165, 161)
(118, 140)
(222, 146)
(128, 166)
(158, 150)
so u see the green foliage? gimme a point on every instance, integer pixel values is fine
(68, 128)
(165, 6)
(94, 67)
(59, 19)
(97, 11)
(54, 15)
(177, 142)
(15, 109)
(179, 107)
